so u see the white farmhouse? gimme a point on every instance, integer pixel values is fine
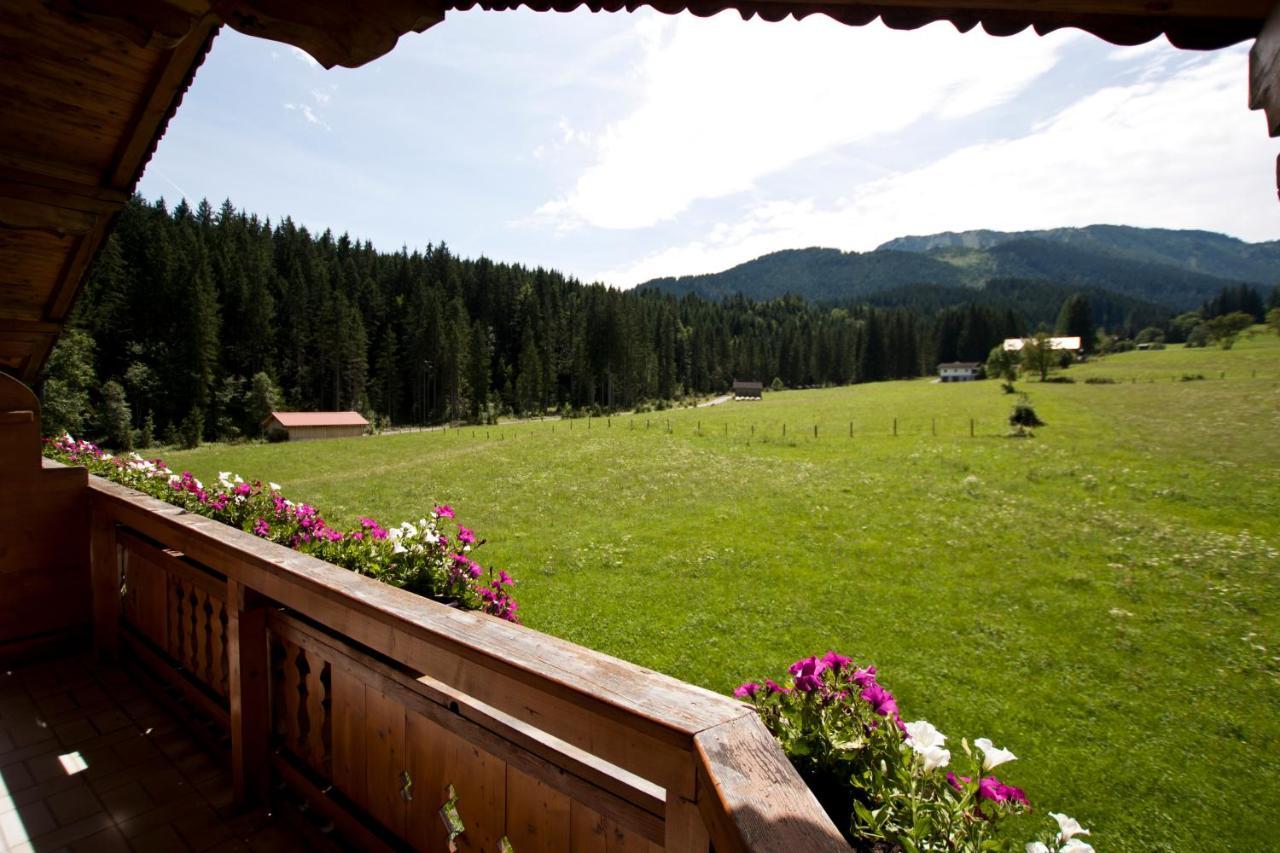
(959, 371)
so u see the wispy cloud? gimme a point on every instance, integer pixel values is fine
(1144, 154)
(308, 114)
(726, 102)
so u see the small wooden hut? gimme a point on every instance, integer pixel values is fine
(303, 426)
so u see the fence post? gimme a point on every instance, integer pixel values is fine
(850, 429)
(895, 426)
(934, 426)
(784, 430)
(815, 430)
(970, 427)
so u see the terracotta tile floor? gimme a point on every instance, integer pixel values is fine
(89, 762)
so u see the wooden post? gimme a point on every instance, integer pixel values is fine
(685, 830)
(850, 429)
(815, 430)
(104, 574)
(895, 426)
(970, 427)
(248, 660)
(784, 430)
(934, 426)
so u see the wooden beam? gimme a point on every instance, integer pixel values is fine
(146, 23)
(167, 86)
(347, 34)
(104, 580)
(248, 662)
(753, 799)
(1264, 77)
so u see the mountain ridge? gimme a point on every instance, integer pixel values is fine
(1176, 269)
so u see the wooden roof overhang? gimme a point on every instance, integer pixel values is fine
(87, 88)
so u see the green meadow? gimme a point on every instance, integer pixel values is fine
(1101, 598)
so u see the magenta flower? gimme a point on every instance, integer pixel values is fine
(955, 782)
(261, 528)
(774, 687)
(808, 673)
(444, 511)
(991, 788)
(505, 579)
(465, 536)
(746, 690)
(864, 677)
(475, 571)
(880, 700)
(836, 662)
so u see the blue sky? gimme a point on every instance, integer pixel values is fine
(621, 147)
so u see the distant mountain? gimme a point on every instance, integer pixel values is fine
(1175, 269)
(1204, 252)
(820, 275)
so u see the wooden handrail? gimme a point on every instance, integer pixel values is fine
(723, 776)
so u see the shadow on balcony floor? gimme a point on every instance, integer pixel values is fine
(89, 761)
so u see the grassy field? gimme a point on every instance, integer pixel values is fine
(1102, 599)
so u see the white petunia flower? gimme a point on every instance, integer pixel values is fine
(275, 487)
(1037, 847)
(992, 756)
(398, 548)
(1068, 827)
(1075, 845)
(934, 757)
(924, 735)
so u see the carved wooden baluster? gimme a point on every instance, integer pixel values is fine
(208, 655)
(177, 599)
(195, 652)
(317, 707)
(221, 667)
(288, 712)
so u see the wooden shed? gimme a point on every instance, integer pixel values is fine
(747, 390)
(304, 426)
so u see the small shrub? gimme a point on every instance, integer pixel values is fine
(1024, 416)
(1191, 377)
(776, 384)
(1099, 380)
(1060, 380)
(1007, 387)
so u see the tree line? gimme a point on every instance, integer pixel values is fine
(197, 322)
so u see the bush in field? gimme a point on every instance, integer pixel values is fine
(422, 557)
(1024, 415)
(891, 785)
(1226, 329)
(1150, 335)
(776, 384)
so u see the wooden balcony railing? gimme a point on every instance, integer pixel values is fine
(378, 705)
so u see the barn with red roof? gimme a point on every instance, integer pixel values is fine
(302, 426)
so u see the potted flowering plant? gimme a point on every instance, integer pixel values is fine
(428, 557)
(892, 785)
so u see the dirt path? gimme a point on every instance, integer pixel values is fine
(723, 398)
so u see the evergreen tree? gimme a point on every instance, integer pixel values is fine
(115, 423)
(69, 378)
(1076, 320)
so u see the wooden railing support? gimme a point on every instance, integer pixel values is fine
(248, 660)
(104, 581)
(685, 831)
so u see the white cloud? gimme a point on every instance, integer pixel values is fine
(309, 114)
(321, 96)
(726, 102)
(1180, 153)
